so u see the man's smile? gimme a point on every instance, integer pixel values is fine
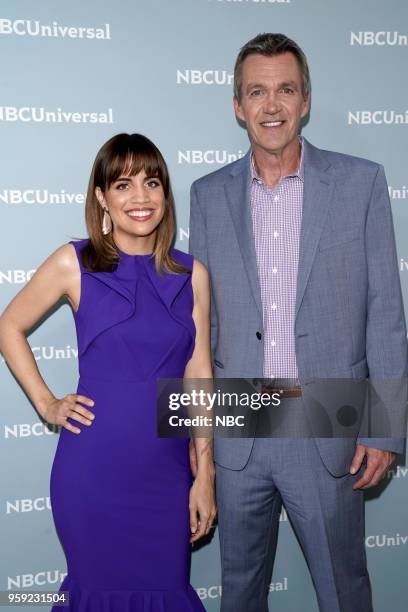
(272, 124)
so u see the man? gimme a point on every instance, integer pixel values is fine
(300, 248)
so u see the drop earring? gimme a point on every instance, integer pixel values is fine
(106, 222)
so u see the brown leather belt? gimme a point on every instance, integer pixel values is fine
(284, 393)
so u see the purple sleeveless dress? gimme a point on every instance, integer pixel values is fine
(119, 494)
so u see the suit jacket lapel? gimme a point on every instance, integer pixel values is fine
(317, 194)
(237, 190)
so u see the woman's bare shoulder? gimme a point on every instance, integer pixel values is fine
(63, 260)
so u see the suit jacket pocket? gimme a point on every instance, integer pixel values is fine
(335, 239)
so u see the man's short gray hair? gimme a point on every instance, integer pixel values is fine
(269, 44)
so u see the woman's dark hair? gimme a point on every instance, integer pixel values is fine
(127, 155)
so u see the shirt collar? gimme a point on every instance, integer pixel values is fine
(299, 172)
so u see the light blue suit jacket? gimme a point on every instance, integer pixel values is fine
(349, 311)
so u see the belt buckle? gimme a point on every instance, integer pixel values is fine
(275, 387)
(271, 387)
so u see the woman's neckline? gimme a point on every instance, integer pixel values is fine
(123, 254)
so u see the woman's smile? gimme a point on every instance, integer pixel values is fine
(140, 214)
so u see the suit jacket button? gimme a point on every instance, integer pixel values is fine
(258, 335)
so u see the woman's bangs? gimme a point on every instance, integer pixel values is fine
(131, 163)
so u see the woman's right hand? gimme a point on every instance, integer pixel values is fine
(57, 410)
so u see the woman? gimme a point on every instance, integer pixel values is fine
(122, 498)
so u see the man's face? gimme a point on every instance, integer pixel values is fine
(272, 103)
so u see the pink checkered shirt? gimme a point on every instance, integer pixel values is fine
(276, 218)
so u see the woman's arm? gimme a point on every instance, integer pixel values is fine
(202, 498)
(58, 276)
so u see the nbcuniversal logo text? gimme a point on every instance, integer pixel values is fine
(212, 156)
(403, 265)
(397, 472)
(52, 352)
(381, 39)
(40, 196)
(26, 430)
(28, 27)
(378, 117)
(28, 114)
(215, 591)
(398, 193)
(15, 277)
(382, 540)
(21, 506)
(49, 353)
(204, 77)
(38, 579)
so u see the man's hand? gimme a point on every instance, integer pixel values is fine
(378, 462)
